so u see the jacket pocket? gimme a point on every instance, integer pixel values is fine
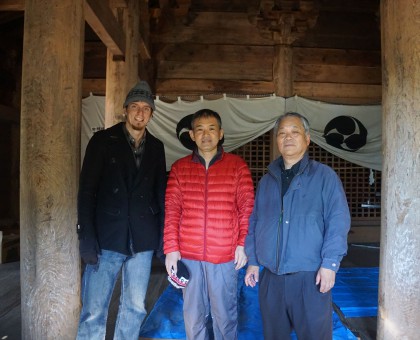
(113, 212)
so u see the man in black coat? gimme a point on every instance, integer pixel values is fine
(120, 217)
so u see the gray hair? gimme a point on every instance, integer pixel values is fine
(304, 121)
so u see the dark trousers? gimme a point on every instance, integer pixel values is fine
(293, 301)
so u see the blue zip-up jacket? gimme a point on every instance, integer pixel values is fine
(306, 231)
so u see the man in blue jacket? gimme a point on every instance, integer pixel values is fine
(298, 234)
(120, 217)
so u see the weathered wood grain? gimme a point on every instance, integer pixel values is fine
(49, 167)
(255, 71)
(338, 74)
(200, 86)
(335, 91)
(399, 279)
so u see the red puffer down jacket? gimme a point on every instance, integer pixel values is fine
(207, 211)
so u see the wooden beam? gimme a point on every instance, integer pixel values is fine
(338, 74)
(12, 5)
(100, 18)
(206, 52)
(357, 94)
(199, 87)
(329, 56)
(332, 91)
(93, 86)
(122, 75)
(216, 70)
(215, 28)
(143, 49)
(144, 28)
(283, 70)
(118, 3)
(97, 16)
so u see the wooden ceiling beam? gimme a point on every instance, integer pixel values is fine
(12, 5)
(101, 19)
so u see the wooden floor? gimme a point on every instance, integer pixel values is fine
(10, 316)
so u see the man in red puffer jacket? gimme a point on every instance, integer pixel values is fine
(209, 199)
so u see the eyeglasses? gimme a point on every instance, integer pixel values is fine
(131, 108)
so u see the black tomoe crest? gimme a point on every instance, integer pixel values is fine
(182, 132)
(345, 133)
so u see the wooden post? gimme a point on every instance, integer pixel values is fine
(399, 281)
(283, 81)
(283, 70)
(50, 149)
(122, 75)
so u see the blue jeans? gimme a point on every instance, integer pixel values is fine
(97, 286)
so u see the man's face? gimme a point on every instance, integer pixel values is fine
(292, 140)
(138, 115)
(206, 133)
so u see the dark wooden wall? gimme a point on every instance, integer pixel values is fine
(207, 47)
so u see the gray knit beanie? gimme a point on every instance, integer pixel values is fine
(140, 93)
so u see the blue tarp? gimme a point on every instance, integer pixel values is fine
(355, 293)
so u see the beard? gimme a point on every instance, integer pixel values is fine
(138, 126)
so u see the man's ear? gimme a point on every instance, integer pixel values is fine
(221, 134)
(192, 135)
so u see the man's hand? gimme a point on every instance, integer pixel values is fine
(171, 261)
(252, 275)
(89, 250)
(240, 257)
(326, 279)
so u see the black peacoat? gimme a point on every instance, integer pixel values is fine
(119, 206)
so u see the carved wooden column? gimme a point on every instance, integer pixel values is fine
(284, 22)
(122, 72)
(49, 158)
(399, 281)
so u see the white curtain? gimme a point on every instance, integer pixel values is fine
(352, 132)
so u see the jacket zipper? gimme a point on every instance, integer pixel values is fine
(278, 242)
(205, 216)
(281, 213)
(278, 224)
(278, 255)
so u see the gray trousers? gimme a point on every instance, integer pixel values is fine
(212, 290)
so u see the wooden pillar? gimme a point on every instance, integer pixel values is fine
(50, 149)
(399, 281)
(283, 70)
(122, 75)
(283, 81)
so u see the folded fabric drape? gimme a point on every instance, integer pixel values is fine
(351, 132)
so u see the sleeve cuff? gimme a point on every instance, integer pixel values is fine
(330, 264)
